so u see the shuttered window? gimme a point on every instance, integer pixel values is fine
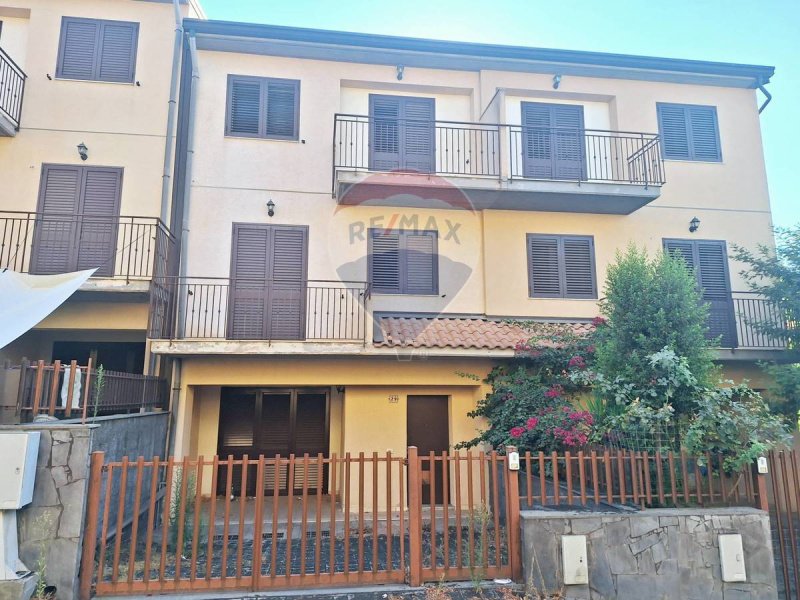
(403, 261)
(708, 259)
(263, 107)
(689, 132)
(402, 132)
(561, 266)
(97, 50)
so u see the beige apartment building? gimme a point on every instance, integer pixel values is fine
(359, 216)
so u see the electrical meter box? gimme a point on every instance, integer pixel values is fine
(19, 450)
(574, 560)
(731, 557)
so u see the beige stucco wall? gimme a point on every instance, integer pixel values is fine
(485, 271)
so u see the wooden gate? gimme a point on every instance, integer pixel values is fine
(158, 526)
(784, 511)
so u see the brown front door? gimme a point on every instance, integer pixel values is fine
(77, 225)
(429, 430)
(274, 422)
(268, 282)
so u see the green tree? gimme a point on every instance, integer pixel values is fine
(775, 274)
(653, 304)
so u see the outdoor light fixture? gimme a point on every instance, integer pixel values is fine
(694, 225)
(400, 69)
(83, 151)
(556, 81)
(271, 208)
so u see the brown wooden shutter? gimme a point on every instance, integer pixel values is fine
(287, 301)
(384, 261)
(579, 269)
(249, 273)
(98, 224)
(275, 434)
(689, 132)
(78, 48)
(418, 131)
(553, 141)
(117, 53)
(419, 264)
(709, 261)
(561, 266)
(244, 106)
(544, 278)
(310, 435)
(56, 225)
(97, 50)
(282, 106)
(384, 112)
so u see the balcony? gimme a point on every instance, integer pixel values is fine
(735, 322)
(257, 313)
(128, 252)
(396, 162)
(12, 89)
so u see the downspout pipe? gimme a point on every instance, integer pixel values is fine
(172, 112)
(177, 371)
(767, 95)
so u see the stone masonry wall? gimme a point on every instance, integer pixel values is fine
(54, 521)
(654, 554)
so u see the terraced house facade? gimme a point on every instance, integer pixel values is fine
(351, 220)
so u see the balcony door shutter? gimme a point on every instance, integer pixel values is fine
(709, 261)
(78, 226)
(98, 227)
(56, 223)
(401, 133)
(287, 289)
(248, 286)
(268, 282)
(552, 141)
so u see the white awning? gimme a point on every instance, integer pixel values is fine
(27, 299)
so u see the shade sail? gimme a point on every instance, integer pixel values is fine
(27, 299)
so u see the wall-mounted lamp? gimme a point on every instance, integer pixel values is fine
(556, 81)
(400, 70)
(271, 208)
(83, 151)
(694, 225)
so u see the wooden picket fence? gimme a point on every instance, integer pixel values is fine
(230, 523)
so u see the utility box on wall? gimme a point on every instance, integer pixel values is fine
(731, 557)
(574, 559)
(17, 468)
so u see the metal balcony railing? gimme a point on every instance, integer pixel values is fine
(12, 89)
(120, 247)
(452, 148)
(258, 309)
(748, 311)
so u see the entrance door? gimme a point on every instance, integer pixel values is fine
(78, 223)
(274, 422)
(428, 426)
(553, 141)
(402, 133)
(709, 261)
(268, 282)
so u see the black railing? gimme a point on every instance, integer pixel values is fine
(586, 155)
(749, 311)
(130, 248)
(452, 148)
(12, 89)
(440, 147)
(257, 309)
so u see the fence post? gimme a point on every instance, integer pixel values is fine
(762, 499)
(87, 395)
(25, 365)
(90, 530)
(512, 518)
(414, 519)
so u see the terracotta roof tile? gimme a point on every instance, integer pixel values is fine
(465, 332)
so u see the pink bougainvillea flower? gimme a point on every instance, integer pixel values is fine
(577, 361)
(598, 321)
(517, 432)
(553, 392)
(531, 423)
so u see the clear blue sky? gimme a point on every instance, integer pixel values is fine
(748, 31)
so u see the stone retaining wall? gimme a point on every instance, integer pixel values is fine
(654, 554)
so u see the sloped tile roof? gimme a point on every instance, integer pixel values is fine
(465, 332)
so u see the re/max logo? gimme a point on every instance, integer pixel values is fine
(358, 229)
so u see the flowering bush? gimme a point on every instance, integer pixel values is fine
(531, 402)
